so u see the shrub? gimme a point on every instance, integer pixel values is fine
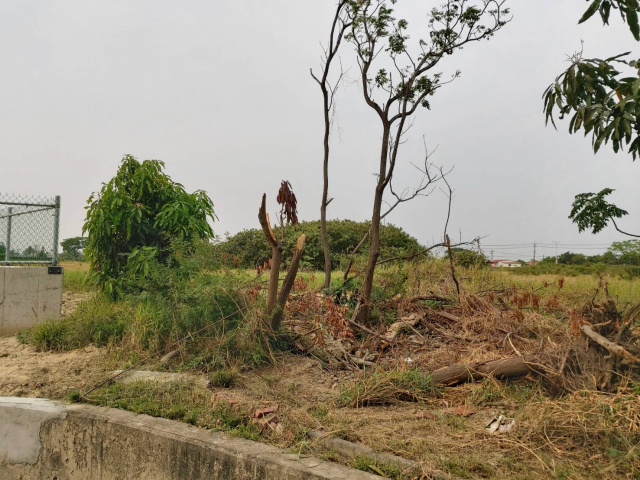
(249, 248)
(134, 219)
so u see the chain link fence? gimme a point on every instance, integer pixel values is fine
(29, 227)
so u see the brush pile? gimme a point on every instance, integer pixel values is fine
(495, 333)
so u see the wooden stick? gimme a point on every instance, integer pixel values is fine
(612, 347)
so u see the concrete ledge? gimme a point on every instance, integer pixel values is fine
(28, 296)
(82, 442)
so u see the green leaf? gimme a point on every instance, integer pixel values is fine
(632, 18)
(593, 8)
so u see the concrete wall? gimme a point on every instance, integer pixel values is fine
(42, 440)
(28, 295)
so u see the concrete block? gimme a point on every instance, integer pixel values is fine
(107, 444)
(20, 422)
(29, 295)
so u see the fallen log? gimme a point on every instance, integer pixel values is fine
(612, 347)
(501, 369)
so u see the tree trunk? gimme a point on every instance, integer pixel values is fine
(374, 245)
(374, 252)
(276, 320)
(324, 239)
(501, 369)
(276, 255)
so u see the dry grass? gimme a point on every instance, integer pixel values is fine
(73, 266)
(392, 407)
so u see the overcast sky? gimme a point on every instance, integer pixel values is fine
(220, 91)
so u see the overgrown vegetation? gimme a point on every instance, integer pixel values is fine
(248, 249)
(210, 313)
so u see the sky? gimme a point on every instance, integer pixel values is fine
(221, 92)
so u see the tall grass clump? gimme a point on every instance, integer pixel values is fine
(97, 320)
(183, 303)
(76, 281)
(383, 388)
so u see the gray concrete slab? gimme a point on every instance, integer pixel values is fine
(108, 444)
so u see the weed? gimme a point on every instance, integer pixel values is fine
(388, 387)
(182, 401)
(319, 411)
(224, 378)
(384, 469)
(48, 335)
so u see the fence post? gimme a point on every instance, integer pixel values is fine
(56, 230)
(8, 242)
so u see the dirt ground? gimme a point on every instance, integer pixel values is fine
(26, 372)
(566, 437)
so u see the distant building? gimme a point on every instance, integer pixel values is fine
(505, 264)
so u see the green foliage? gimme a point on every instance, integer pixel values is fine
(186, 302)
(628, 11)
(135, 217)
(604, 101)
(468, 258)
(451, 26)
(249, 248)
(626, 252)
(592, 211)
(76, 281)
(73, 248)
(97, 320)
(182, 401)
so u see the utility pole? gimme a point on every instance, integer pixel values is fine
(556, 251)
(491, 254)
(534, 251)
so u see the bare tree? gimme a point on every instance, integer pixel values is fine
(339, 26)
(431, 175)
(396, 80)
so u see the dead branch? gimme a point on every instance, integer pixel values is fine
(453, 269)
(395, 328)
(612, 347)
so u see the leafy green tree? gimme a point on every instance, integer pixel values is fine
(73, 248)
(134, 219)
(603, 99)
(627, 252)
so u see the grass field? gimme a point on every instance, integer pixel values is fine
(390, 405)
